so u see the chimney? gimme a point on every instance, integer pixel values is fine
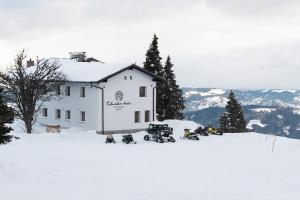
(78, 56)
(30, 63)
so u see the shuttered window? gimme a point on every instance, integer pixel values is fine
(147, 116)
(137, 116)
(82, 116)
(68, 114)
(57, 114)
(45, 112)
(143, 91)
(68, 91)
(57, 92)
(82, 92)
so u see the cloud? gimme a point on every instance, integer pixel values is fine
(254, 7)
(136, 10)
(18, 20)
(213, 43)
(17, 17)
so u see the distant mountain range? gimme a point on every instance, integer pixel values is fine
(267, 111)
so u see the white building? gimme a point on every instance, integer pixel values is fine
(106, 98)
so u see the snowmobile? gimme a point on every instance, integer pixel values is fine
(213, 131)
(189, 135)
(128, 139)
(159, 133)
(201, 131)
(110, 139)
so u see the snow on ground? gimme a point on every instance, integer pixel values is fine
(203, 94)
(268, 110)
(255, 101)
(215, 101)
(297, 100)
(77, 164)
(217, 91)
(255, 122)
(280, 91)
(296, 111)
(280, 116)
(286, 130)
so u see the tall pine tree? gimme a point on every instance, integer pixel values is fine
(173, 98)
(224, 122)
(6, 116)
(233, 119)
(153, 64)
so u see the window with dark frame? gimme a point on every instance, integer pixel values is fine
(143, 91)
(68, 91)
(58, 90)
(68, 114)
(57, 114)
(82, 92)
(147, 116)
(130, 77)
(82, 116)
(45, 112)
(137, 116)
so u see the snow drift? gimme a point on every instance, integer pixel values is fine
(77, 164)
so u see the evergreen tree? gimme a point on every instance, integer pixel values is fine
(233, 119)
(224, 122)
(173, 101)
(153, 64)
(6, 116)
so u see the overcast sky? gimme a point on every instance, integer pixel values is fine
(213, 43)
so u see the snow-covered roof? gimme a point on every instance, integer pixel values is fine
(91, 71)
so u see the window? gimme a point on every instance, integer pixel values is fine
(68, 91)
(142, 91)
(68, 114)
(137, 116)
(57, 92)
(147, 116)
(130, 77)
(82, 92)
(45, 112)
(125, 77)
(57, 114)
(82, 116)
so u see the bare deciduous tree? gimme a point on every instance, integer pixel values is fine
(32, 86)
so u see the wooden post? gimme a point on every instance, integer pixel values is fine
(273, 147)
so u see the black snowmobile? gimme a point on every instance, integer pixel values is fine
(159, 133)
(189, 135)
(201, 131)
(110, 139)
(128, 139)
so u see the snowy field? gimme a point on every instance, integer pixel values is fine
(77, 165)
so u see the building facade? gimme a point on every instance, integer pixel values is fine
(119, 102)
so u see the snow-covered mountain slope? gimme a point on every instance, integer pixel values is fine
(254, 122)
(268, 110)
(210, 92)
(207, 97)
(78, 165)
(277, 109)
(214, 101)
